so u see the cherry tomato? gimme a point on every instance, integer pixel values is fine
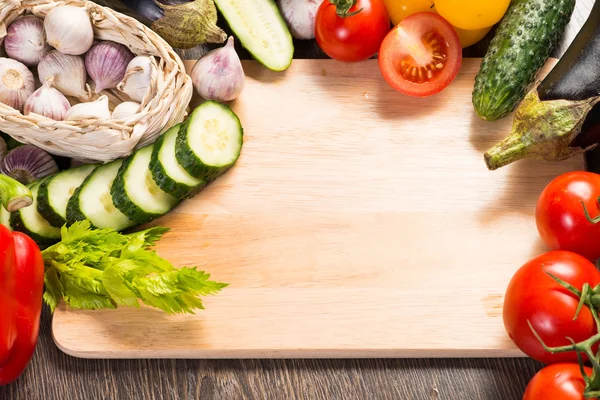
(421, 55)
(355, 37)
(472, 14)
(401, 9)
(534, 296)
(560, 214)
(562, 381)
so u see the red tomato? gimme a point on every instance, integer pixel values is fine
(533, 295)
(557, 382)
(355, 37)
(421, 55)
(560, 215)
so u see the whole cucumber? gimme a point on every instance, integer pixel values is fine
(525, 38)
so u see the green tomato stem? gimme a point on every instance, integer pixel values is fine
(342, 8)
(13, 194)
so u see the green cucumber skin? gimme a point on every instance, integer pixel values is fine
(176, 189)
(189, 161)
(44, 208)
(524, 41)
(124, 203)
(18, 226)
(74, 213)
(244, 41)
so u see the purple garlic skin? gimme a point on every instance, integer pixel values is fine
(27, 164)
(106, 63)
(48, 102)
(25, 41)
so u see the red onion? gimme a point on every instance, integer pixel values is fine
(106, 63)
(25, 41)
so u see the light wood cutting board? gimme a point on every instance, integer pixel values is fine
(357, 223)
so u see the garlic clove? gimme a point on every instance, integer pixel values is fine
(25, 41)
(125, 110)
(97, 109)
(68, 72)
(48, 102)
(138, 78)
(219, 74)
(16, 83)
(69, 29)
(300, 16)
(106, 63)
(27, 164)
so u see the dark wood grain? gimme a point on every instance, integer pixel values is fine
(53, 375)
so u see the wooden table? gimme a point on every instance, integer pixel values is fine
(53, 375)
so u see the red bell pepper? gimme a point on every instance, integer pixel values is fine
(21, 290)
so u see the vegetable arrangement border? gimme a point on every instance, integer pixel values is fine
(105, 140)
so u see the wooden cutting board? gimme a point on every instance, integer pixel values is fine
(357, 223)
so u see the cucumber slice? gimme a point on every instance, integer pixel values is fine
(210, 141)
(5, 217)
(31, 223)
(261, 30)
(166, 171)
(92, 200)
(55, 192)
(135, 193)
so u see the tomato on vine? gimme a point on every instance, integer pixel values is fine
(567, 214)
(534, 296)
(562, 381)
(351, 30)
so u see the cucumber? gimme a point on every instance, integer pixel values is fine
(166, 171)
(92, 200)
(5, 218)
(210, 141)
(525, 38)
(31, 223)
(55, 192)
(135, 193)
(260, 28)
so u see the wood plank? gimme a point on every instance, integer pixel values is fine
(357, 223)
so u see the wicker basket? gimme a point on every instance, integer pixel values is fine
(104, 140)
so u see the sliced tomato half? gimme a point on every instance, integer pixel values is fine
(421, 56)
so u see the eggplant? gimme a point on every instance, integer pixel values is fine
(560, 116)
(181, 23)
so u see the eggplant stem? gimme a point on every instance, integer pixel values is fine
(13, 194)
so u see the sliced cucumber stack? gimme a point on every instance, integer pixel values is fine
(93, 201)
(55, 192)
(210, 141)
(259, 26)
(31, 223)
(171, 177)
(135, 193)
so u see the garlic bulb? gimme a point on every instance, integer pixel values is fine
(125, 110)
(300, 16)
(25, 41)
(27, 164)
(69, 29)
(97, 109)
(219, 75)
(106, 63)
(16, 83)
(48, 102)
(68, 72)
(138, 78)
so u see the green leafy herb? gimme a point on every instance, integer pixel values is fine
(92, 269)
